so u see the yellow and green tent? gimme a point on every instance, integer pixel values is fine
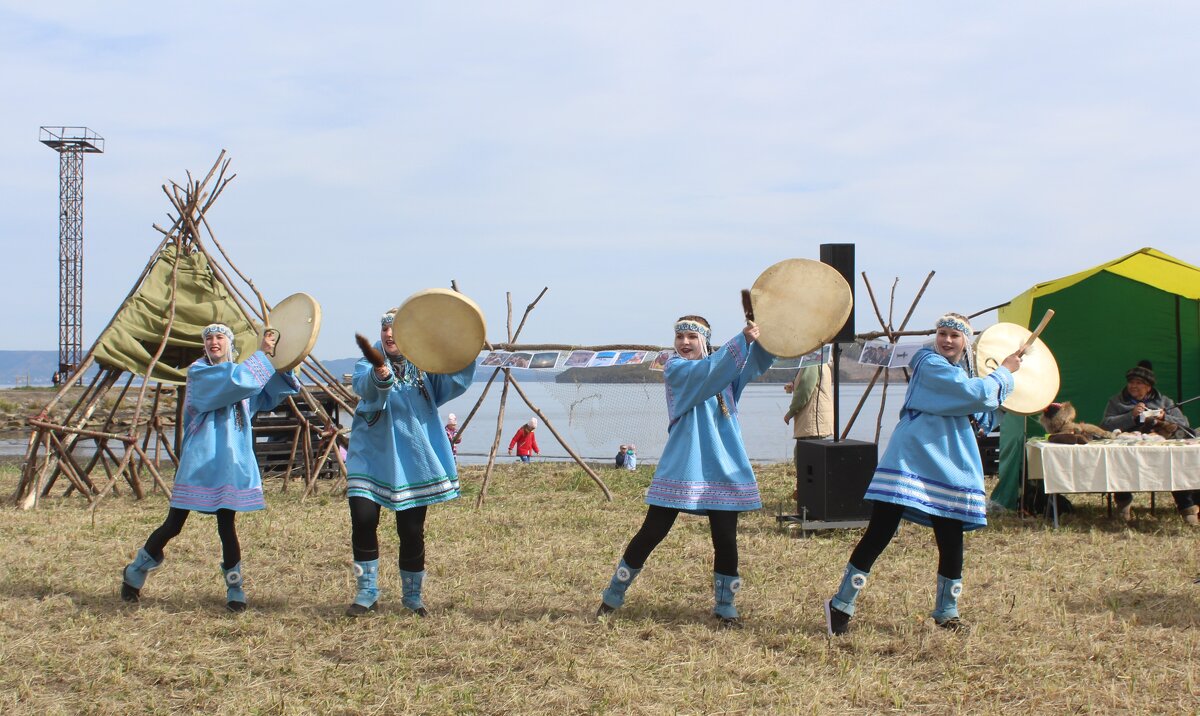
(1143, 306)
(131, 339)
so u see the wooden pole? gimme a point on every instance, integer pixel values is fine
(491, 463)
(591, 473)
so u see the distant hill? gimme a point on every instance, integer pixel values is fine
(19, 368)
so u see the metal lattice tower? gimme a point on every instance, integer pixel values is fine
(71, 143)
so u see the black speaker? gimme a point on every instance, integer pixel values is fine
(831, 478)
(841, 257)
(989, 453)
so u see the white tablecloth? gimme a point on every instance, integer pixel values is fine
(1115, 467)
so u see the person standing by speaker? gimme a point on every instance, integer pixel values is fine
(931, 472)
(811, 411)
(704, 469)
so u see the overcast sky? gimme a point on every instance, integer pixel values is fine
(642, 160)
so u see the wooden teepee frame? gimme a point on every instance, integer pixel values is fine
(55, 435)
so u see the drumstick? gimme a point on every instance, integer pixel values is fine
(373, 356)
(747, 307)
(1036, 332)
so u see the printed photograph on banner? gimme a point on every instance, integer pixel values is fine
(628, 357)
(544, 360)
(876, 352)
(660, 361)
(602, 359)
(817, 357)
(517, 360)
(785, 364)
(903, 354)
(579, 359)
(495, 358)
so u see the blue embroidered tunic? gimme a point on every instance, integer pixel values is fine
(704, 465)
(217, 467)
(399, 454)
(932, 465)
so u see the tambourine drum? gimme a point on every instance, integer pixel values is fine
(799, 306)
(1036, 383)
(439, 330)
(297, 319)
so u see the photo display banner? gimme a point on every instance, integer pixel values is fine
(545, 360)
(877, 352)
(903, 354)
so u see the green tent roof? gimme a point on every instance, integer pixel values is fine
(136, 330)
(1145, 305)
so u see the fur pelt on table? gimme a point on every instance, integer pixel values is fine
(1059, 421)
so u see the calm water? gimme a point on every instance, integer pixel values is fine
(596, 418)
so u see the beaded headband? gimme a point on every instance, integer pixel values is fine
(958, 324)
(388, 318)
(700, 328)
(212, 328)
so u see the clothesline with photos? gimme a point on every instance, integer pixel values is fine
(657, 358)
(879, 352)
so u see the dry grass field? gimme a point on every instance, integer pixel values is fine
(1092, 618)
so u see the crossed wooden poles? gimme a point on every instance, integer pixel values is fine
(510, 380)
(892, 334)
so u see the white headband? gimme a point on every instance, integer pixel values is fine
(958, 324)
(217, 328)
(700, 328)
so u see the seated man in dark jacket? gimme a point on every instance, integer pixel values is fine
(1139, 407)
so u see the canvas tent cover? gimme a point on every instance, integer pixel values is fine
(1142, 306)
(132, 338)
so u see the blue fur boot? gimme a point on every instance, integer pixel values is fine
(614, 596)
(133, 577)
(725, 587)
(945, 614)
(410, 584)
(840, 608)
(366, 574)
(235, 597)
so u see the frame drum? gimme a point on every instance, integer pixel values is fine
(297, 320)
(799, 306)
(439, 330)
(1036, 383)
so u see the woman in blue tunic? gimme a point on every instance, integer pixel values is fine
(218, 473)
(704, 469)
(931, 472)
(399, 458)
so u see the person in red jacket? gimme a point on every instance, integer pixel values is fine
(525, 441)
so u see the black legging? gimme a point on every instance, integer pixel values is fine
(722, 524)
(231, 550)
(410, 527)
(885, 518)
